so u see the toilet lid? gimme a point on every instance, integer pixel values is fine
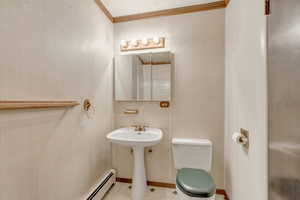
(195, 183)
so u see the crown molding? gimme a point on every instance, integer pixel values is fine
(167, 12)
(104, 10)
(170, 12)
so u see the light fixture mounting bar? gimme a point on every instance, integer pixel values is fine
(135, 45)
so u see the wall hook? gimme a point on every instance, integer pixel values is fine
(87, 105)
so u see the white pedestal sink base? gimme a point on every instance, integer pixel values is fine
(138, 141)
(139, 182)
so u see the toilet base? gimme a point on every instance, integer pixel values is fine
(182, 196)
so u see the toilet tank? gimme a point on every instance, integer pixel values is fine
(192, 153)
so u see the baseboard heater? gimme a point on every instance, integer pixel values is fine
(105, 184)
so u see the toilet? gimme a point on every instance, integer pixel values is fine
(193, 160)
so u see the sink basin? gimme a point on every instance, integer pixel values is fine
(138, 140)
(130, 137)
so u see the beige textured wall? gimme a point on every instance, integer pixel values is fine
(246, 99)
(54, 50)
(197, 106)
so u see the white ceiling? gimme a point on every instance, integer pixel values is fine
(129, 7)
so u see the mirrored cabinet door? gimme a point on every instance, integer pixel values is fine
(161, 76)
(143, 77)
(124, 78)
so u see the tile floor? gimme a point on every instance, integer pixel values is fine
(121, 191)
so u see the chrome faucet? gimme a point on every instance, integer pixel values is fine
(140, 128)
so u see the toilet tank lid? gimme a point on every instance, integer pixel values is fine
(186, 141)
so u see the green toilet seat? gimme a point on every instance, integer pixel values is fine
(195, 183)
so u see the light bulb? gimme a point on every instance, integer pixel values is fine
(156, 40)
(145, 41)
(134, 43)
(124, 43)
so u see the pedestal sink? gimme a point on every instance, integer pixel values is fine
(138, 140)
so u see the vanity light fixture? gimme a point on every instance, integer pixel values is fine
(156, 40)
(145, 41)
(124, 43)
(133, 45)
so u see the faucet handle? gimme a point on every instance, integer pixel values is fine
(144, 127)
(136, 127)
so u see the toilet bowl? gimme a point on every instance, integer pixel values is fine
(192, 159)
(182, 196)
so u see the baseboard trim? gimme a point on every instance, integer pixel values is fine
(167, 185)
(222, 192)
(152, 183)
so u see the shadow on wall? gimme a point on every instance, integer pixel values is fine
(285, 188)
